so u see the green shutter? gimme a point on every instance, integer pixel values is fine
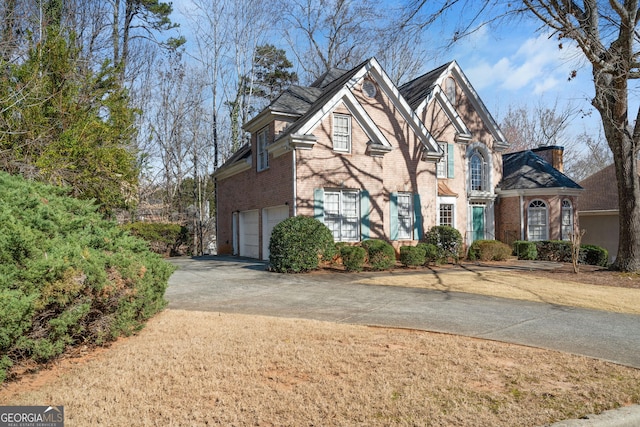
(393, 215)
(417, 217)
(450, 162)
(364, 215)
(318, 204)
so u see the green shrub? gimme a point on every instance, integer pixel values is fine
(430, 252)
(554, 250)
(353, 257)
(67, 276)
(412, 256)
(164, 239)
(298, 243)
(524, 249)
(447, 240)
(381, 254)
(594, 255)
(489, 250)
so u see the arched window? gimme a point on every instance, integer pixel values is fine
(450, 90)
(477, 170)
(537, 221)
(567, 219)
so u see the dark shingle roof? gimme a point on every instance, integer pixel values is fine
(419, 88)
(328, 77)
(328, 91)
(295, 100)
(525, 170)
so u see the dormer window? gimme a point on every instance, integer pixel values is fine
(263, 154)
(450, 90)
(342, 133)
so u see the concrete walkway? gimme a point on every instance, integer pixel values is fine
(232, 285)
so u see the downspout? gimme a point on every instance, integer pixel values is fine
(295, 180)
(521, 217)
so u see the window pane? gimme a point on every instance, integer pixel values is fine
(341, 215)
(446, 214)
(341, 133)
(477, 172)
(405, 211)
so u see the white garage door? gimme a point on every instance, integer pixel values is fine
(249, 234)
(270, 218)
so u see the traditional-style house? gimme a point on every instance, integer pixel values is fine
(367, 158)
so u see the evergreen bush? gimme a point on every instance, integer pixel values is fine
(489, 250)
(67, 276)
(298, 243)
(524, 249)
(163, 238)
(353, 257)
(430, 252)
(554, 250)
(381, 254)
(594, 255)
(412, 256)
(447, 240)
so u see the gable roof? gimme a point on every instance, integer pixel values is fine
(420, 92)
(525, 171)
(306, 107)
(340, 90)
(419, 89)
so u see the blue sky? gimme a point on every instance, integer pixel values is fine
(516, 66)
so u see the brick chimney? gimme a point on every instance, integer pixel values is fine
(552, 154)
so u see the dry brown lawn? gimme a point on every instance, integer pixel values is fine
(195, 368)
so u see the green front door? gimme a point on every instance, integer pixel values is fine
(477, 213)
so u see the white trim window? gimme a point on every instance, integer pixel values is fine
(446, 214)
(342, 133)
(263, 154)
(567, 219)
(341, 214)
(405, 216)
(477, 171)
(538, 226)
(441, 166)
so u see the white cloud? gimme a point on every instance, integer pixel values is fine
(537, 66)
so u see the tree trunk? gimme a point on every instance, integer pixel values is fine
(611, 101)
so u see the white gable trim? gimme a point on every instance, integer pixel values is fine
(356, 109)
(432, 150)
(374, 71)
(499, 140)
(463, 134)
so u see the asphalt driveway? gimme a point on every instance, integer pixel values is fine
(232, 285)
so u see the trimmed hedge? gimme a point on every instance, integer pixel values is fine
(554, 250)
(448, 240)
(412, 256)
(298, 243)
(430, 252)
(489, 250)
(381, 254)
(353, 257)
(67, 276)
(164, 239)
(594, 255)
(524, 249)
